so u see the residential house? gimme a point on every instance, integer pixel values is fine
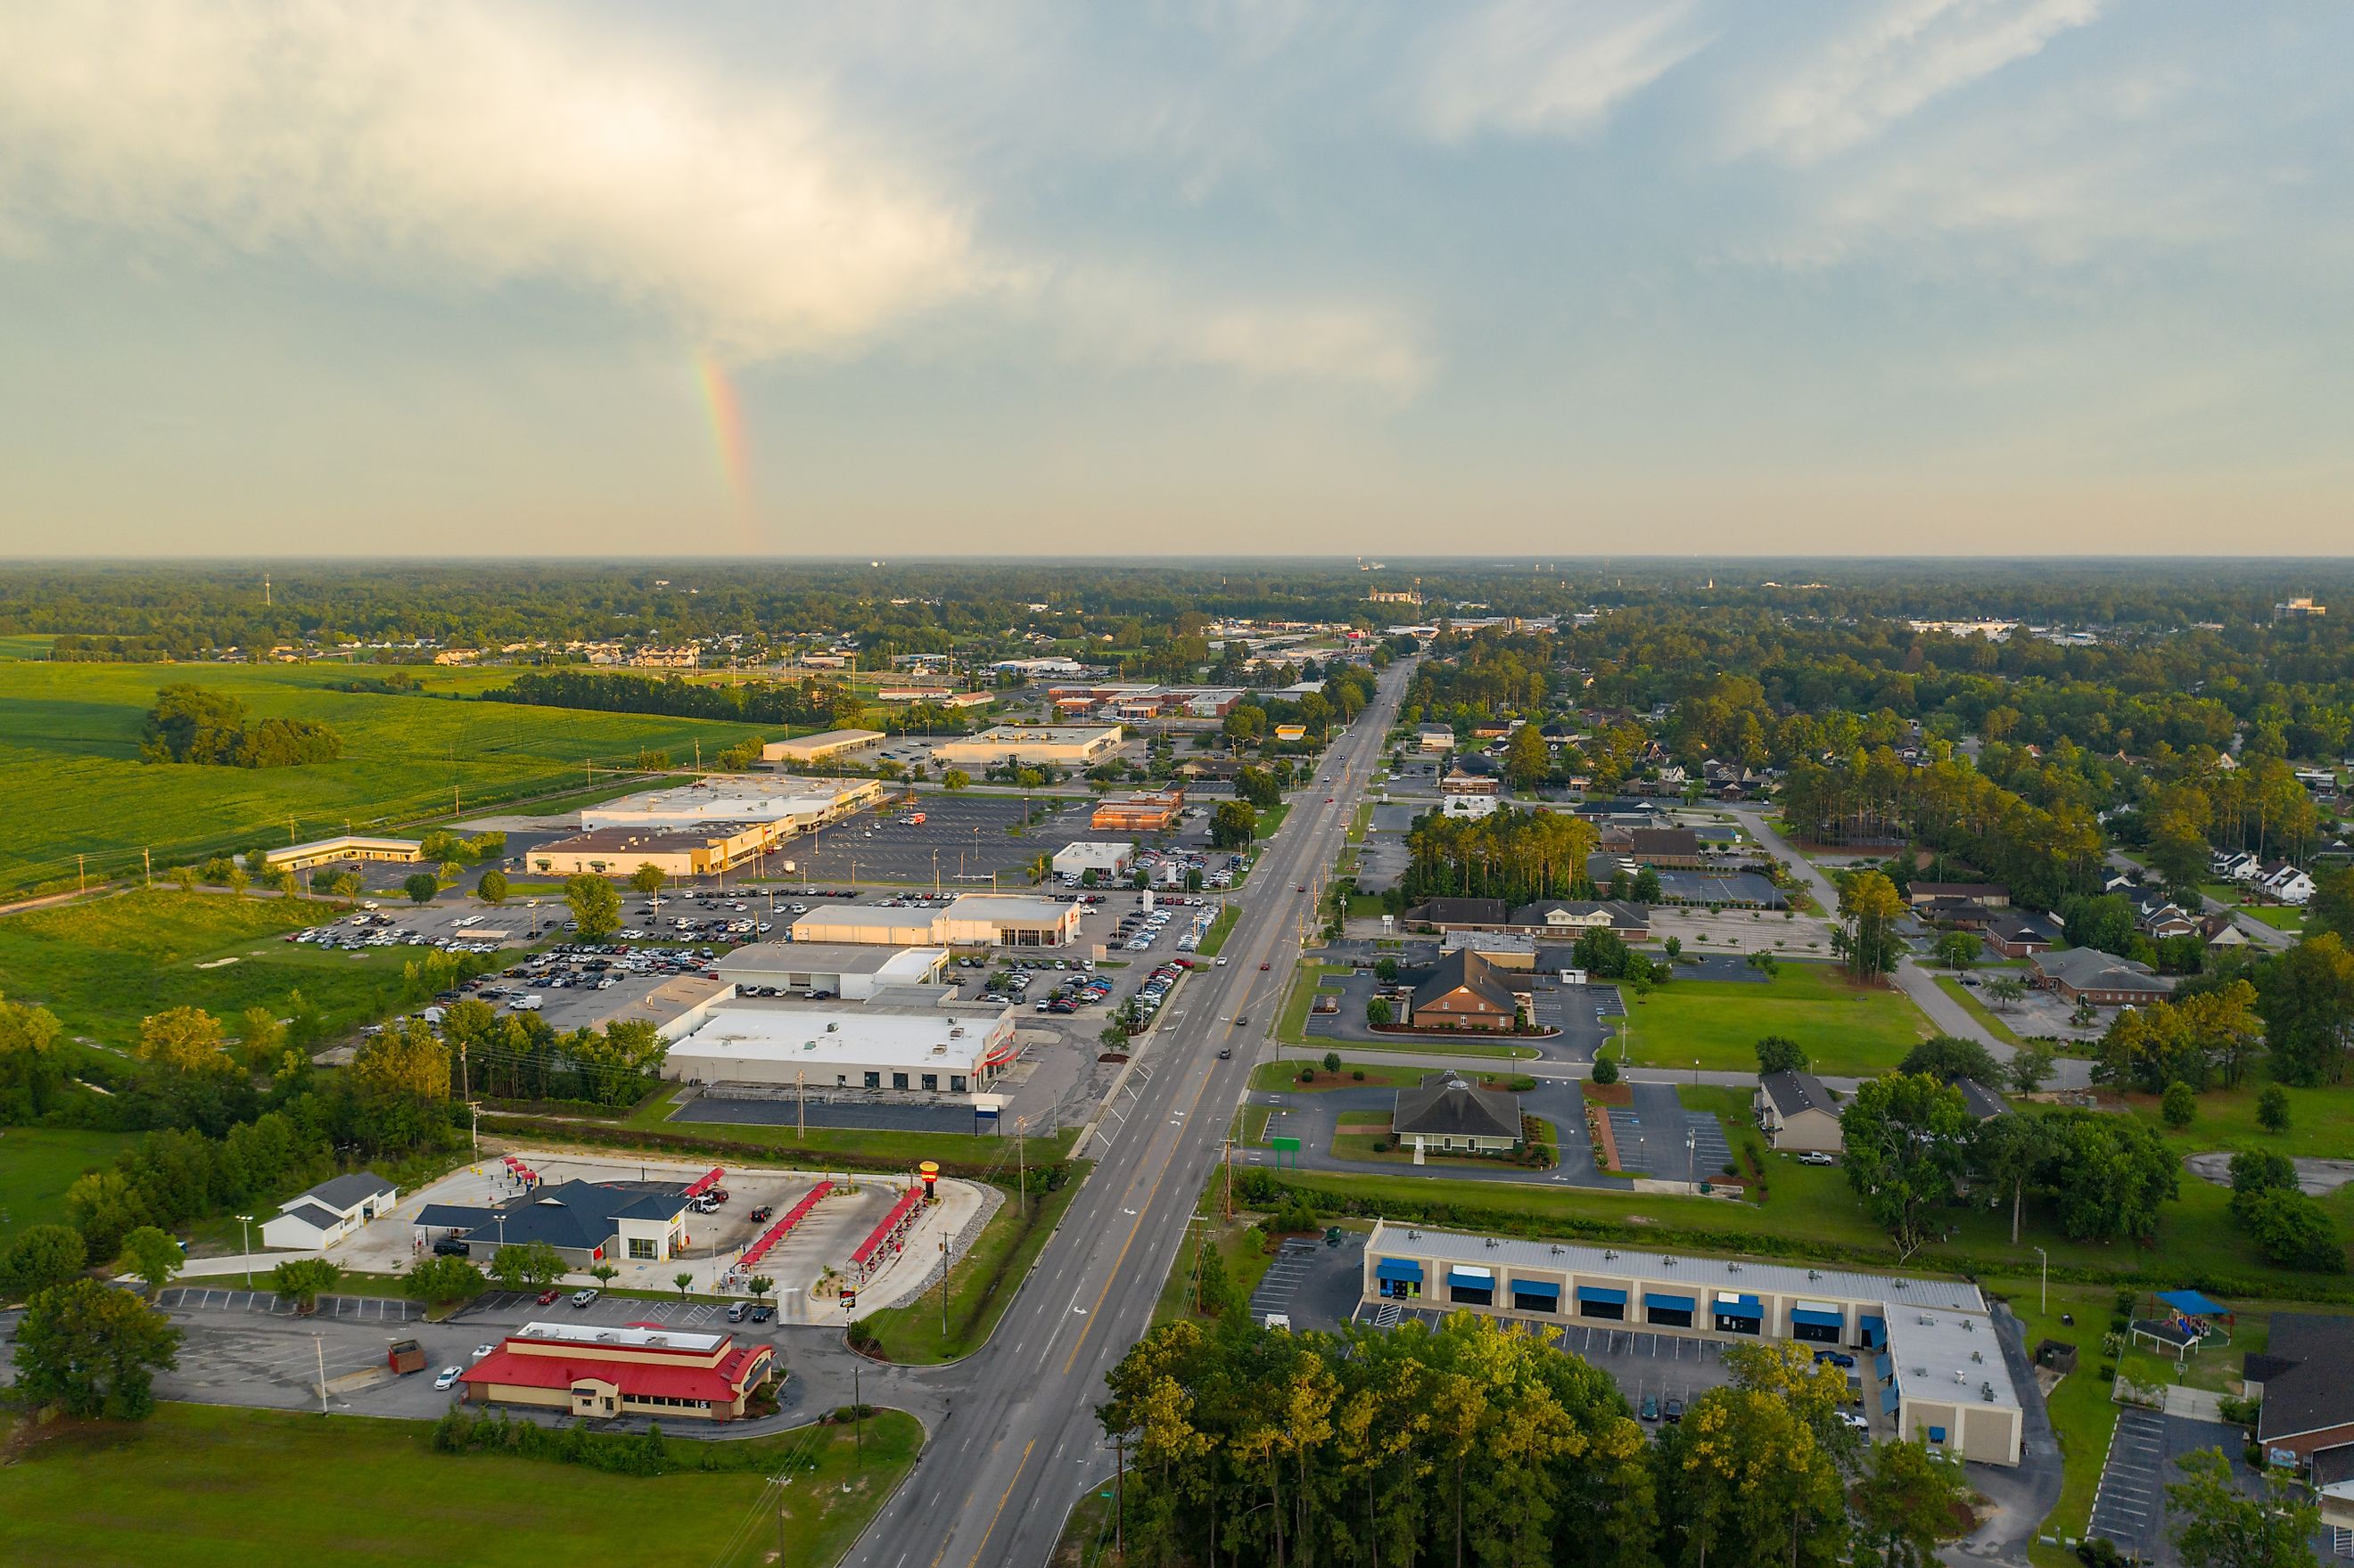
(1985, 1104)
(2088, 974)
(1569, 917)
(1463, 992)
(1445, 1113)
(2220, 930)
(1797, 1113)
(2158, 918)
(329, 1211)
(2234, 865)
(2284, 882)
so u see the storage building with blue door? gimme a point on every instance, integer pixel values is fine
(1925, 1349)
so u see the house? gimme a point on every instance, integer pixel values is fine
(1985, 1104)
(1797, 1113)
(329, 1211)
(2088, 974)
(2234, 865)
(1961, 914)
(2306, 1379)
(1993, 895)
(2159, 919)
(2220, 930)
(2120, 882)
(1667, 849)
(1463, 992)
(1444, 1113)
(1568, 917)
(2284, 882)
(1461, 913)
(2017, 935)
(598, 1372)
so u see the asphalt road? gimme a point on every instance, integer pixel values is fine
(1019, 1438)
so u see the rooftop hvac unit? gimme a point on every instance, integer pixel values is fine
(1898, 1283)
(1814, 1274)
(1491, 1241)
(956, 1034)
(1920, 1371)
(1925, 1320)
(832, 1027)
(1978, 1356)
(1969, 1326)
(1986, 1391)
(1606, 1253)
(1413, 1236)
(1556, 1252)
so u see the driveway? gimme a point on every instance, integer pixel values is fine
(2024, 1494)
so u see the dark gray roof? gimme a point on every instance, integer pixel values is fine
(1460, 911)
(574, 1214)
(1793, 1092)
(1460, 969)
(1624, 916)
(311, 1214)
(2316, 1390)
(1443, 1104)
(349, 1192)
(1984, 1103)
(1680, 841)
(2089, 969)
(2013, 924)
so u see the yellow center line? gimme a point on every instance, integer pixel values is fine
(993, 1518)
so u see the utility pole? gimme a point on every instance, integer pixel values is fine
(147, 866)
(1228, 1157)
(319, 1345)
(81, 873)
(944, 1288)
(1020, 1170)
(1120, 1494)
(857, 1432)
(800, 1092)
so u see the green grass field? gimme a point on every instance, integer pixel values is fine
(979, 1288)
(2319, 1122)
(1283, 1077)
(1844, 1029)
(2279, 917)
(201, 1485)
(104, 964)
(38, 1163)
(1214, 939)
(1989, 1019)
(72, 782)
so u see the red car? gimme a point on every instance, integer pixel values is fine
(548, 1297)
(1267, 965)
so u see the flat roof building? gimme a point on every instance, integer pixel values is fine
(853, 971)
(971, 919)
(1926, 1347)
(598, 1372)
(676, 852)
(823, 747)
(846, 1048)
(1152, 811)
(1060, 745)
(790, 805)
(1102, 856)
(343, 850)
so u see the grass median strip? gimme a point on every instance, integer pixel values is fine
(981, 1286)
(1977, 1010)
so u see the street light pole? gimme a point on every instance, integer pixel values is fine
(243, 1222)
(2043, 1292)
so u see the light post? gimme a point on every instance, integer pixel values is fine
(1692, 1157)
(2043, 1292)
(243, 1222)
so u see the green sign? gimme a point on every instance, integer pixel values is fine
(1284, 1145)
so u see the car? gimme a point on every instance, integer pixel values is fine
(1673, 1409)
(762, 1313)
(582, 1298)
(449, 1377)
(1328, 800)
(1264, 968)
(1853, 1422)
(450, 1246)
(1835, 1357)
(481, 1350)
(1302, 887)
(1241, 1020)
(1816, 1157)
(1226, 1053)
(1651, 1411)
(1220, 962)
(762, 1213)
(548, 1297)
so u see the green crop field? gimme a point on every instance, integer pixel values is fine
(104, 964)
(200, 1485)
(38, 1163)
(72, 782)
(1844, 1029)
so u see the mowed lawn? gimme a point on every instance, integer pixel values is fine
(198, 1485)
(72, 782)
(104, 964)
(1843, 1029)
(38, 1163)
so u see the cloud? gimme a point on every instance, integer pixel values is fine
(476, 145)
(1902, 57)
(1130, 317)
(1528, 69)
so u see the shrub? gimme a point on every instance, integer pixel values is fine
(1359, 1074)
(2179, 1107)
(1606, 1071)
(2272, 1108)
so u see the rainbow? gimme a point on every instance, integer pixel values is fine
(727, 436)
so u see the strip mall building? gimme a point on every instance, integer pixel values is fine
(1925, 1347)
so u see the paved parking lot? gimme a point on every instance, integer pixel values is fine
(2127, 1507)
(353, 1309)
(1651, 1134)
(963, 837)
(1291, 1268)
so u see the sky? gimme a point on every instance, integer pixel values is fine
(1237, 277)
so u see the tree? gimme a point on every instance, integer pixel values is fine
(1378, 1010)
(155, 1259)
(604, 1274)
(185, 1039)
(596, 907)
(2029, 1065)
(2291, 1229)
(1602, 954)
(2307, 998)
(421, 886)
(1957, 949)
(2108, 1176)
(1232, 825)
(1869, 909)
(1673, 947)
(1647, 887)
(105, 1207)
(408, 1059)
(1904, 1504)
(2330, 910)
(439, 1280)
(1258, 786)
(1780, 1053)
(2105, 923)
(1526, 761)
(956, 778)
(2272, 1108)
(2010, 1153)
(2223, 1527)
(490, 888)
(1904, 1135)
(759, 1285)
(302, 1280)
(1385, 970)
(682, 1279)
(2178, 1108)
(1949, 1059)
(647, 879)
(89, 1350)
(38, 1257)
(528, 1266)
(2006, 991)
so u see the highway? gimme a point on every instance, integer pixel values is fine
(1018, 1437)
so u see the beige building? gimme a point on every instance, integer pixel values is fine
(824, 746)
(1798, 1114)
(343, 851)
(788, 806)
(1925, 1348)
(676, 852)
(971, 920)
(1058, 745)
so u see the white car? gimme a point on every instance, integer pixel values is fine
(1849, 1418)
(449, 1377)
(1816, 1157)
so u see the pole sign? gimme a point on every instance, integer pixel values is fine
(930, 1172)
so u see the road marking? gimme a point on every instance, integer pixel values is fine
(1001, 1509)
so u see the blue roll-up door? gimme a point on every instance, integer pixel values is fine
(1672, 1303)
(1874, 1330)
(1601, 1293)
(1398, 1268)
(1544, 1287)
(1458, 1280)
(1936, 1434)
(1820, 1319)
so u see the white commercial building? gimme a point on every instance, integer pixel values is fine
(970, 920)
(853, 971)
(1925, 1348)
(1104, 857)
(823, 747)
(1062, 745)
(846, 1048)
(785, 805)
(329, 1211)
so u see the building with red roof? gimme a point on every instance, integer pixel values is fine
(593, 1371)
